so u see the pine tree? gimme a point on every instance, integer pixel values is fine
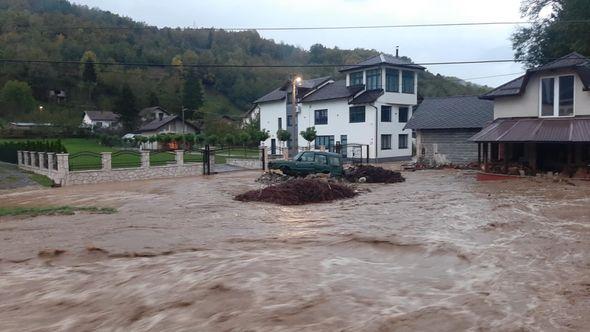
(125, 106)
(192, 93)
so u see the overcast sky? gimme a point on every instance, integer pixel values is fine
(421, 44)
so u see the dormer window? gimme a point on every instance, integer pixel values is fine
(557, 96)
(374, 79)
(408, 81)
(356, 78)
(392, 80)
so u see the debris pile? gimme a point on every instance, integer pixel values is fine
(372, 174)
(299, 192)
(273, 178)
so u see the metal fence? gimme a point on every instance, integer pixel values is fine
(126, 159)
(85, 160)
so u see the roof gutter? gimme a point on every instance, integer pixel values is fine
(376, 128)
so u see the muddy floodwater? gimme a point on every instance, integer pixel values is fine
(440, 252)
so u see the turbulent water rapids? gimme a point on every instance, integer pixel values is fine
(440, 252)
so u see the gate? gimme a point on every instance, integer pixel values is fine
(231, 157)
(352, 152)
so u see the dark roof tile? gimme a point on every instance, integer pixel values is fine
(335, 90)
(452, 113)
(383, 59)
(102, 116)
(367, 97)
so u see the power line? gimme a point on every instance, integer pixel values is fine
(350, 27)
(163, 65)
(492, 76)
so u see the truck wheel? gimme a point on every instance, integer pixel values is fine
(284, 170)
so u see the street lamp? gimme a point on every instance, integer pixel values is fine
(296, 82)
(41, 108)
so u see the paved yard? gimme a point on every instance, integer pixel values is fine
(440, 252)
(12, 178)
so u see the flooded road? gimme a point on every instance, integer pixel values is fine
(440, 252)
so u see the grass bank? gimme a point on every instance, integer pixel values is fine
(51, 211)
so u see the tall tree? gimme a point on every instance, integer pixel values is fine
(125, 106)
(553, 33)
(89, 76)
(192, 92)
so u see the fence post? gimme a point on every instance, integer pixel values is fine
(106, 159)
(262, 154)
(19, 157)
(41, 158)
(145, 159)
(50, 157)
(25, 158)
(212, 161)
(63, 168)
(179, 157)
(368, 152)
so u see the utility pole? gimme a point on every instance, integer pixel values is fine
(294, 133)
(183, 129)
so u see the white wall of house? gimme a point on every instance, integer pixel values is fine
(339, 123)
(528, 104)
(91, 123)
(395, 129)
(270, 112)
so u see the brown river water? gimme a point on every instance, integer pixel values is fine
(440, 252)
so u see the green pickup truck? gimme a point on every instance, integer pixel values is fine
(310, 162)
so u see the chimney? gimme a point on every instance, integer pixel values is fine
(397, 51)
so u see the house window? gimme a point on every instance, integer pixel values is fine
(385, 113)
(325, 141)
(98, 124)
(357, 114)
(392, 80)
(289, 120)
(557, 96)
(321, 117)
(374, 79)
(280, 123)
(403, 114)
(385, 142)
(407, 81)
(356, 78)
(403, 141)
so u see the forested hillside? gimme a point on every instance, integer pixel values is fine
(57, 30)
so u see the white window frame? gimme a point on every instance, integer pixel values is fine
(555, 97)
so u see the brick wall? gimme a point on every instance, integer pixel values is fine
(447, 146)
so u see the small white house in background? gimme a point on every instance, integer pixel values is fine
(152, 113)
(369, 107)
(167, 125)
(100, 119)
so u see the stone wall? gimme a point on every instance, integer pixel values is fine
(56, 167)
(447, 146)
(133, 174)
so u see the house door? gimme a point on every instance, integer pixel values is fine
(273, 146)
(343, 144)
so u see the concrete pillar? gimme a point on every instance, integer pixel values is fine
(32, 158)
(25, 157)
(63, 168)
(106, 158)
(19, 157)
(179, 157)
(41, 157)
(50, 157)
(145, 159)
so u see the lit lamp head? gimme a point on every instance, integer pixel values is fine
(41, 109)
(298, 80)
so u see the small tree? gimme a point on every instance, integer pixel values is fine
(309, 135)
(88, 71)
(229, 139)
(283, 136)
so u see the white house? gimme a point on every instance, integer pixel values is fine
(370, 107)
(541, 120)
(100, 119)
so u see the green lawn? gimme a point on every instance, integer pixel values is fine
(52, 211)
